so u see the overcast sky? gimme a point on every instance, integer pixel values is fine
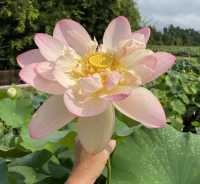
(182, 13)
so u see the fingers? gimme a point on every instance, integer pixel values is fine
(76, 140)
(111, 146)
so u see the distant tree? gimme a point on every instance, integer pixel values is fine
(168, 39)
(185, 38)
(174, 36)
(20, 20)
(165, 30)
(178, 41)
(196, 40)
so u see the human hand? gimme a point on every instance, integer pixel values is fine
(87, 167)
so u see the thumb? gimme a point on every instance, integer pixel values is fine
(111, 146)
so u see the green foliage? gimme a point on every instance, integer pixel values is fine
(33, 168)
(162, 151)
(15, 112)
(178, 106)
(50, 160)
(3, 171)
(22, 19)
(37, 100)
(178, 91)
(3, 94)
(185, 51)
(157, 156)
(174, 36)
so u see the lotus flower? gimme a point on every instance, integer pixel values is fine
(88, 81)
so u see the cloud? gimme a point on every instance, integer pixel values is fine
(182, 13)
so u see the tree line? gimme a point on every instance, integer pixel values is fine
(174, 36)
(20, 20)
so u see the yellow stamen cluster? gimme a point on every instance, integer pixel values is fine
(99, 62)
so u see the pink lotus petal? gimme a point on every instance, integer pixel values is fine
(144, 107)
(139, 56)
(66, 63)
(77, 42)
(29, 75)
(118, 52)
(164, 62)
(150, 62)
(117, 30)
(144, 72)
(131, 78)
(65, 25)
(116, 94)
(50, 117)
(31, 56)
(95, 132)
(49, 46)
(144, 31)
(139, 37)
(44, 69)
(66, 80)
(89, 85)
(82, 105)
(112, 80)
(131, 45)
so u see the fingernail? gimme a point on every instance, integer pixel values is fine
(113, 142)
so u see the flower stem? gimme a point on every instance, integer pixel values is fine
(108, 171)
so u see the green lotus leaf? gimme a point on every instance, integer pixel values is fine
(171, 80)
(55, 137)
(121, 129)
(3, 171)
(169, 114)
(37, 100)
(3, 94)
(185, 99)
(14, 153)
(177, 124)
(15, 112)
(163, 156)
(33, 168)
(159, 94)
(178, 106)
(177, 89)
(191, 110)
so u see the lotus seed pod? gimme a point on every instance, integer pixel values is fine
(12, 92)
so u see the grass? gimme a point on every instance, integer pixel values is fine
(183, 58)
(168, 46)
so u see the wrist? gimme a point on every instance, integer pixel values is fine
(81, 176)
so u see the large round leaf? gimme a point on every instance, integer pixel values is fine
(3, 171)
(33, 168)
(164, 156)
(54, 137)
(15, 112)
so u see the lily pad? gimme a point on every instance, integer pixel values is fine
(14, 153)
(33, 168)
(37, 100)
(3, 94)
(159, 93)
(15, 112)
(3, 171)
(54, 137)
(162, 155)
(121, 129)
(185, 99)
(178, 106)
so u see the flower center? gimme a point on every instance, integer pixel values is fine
(97, 63)
(101, 60)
